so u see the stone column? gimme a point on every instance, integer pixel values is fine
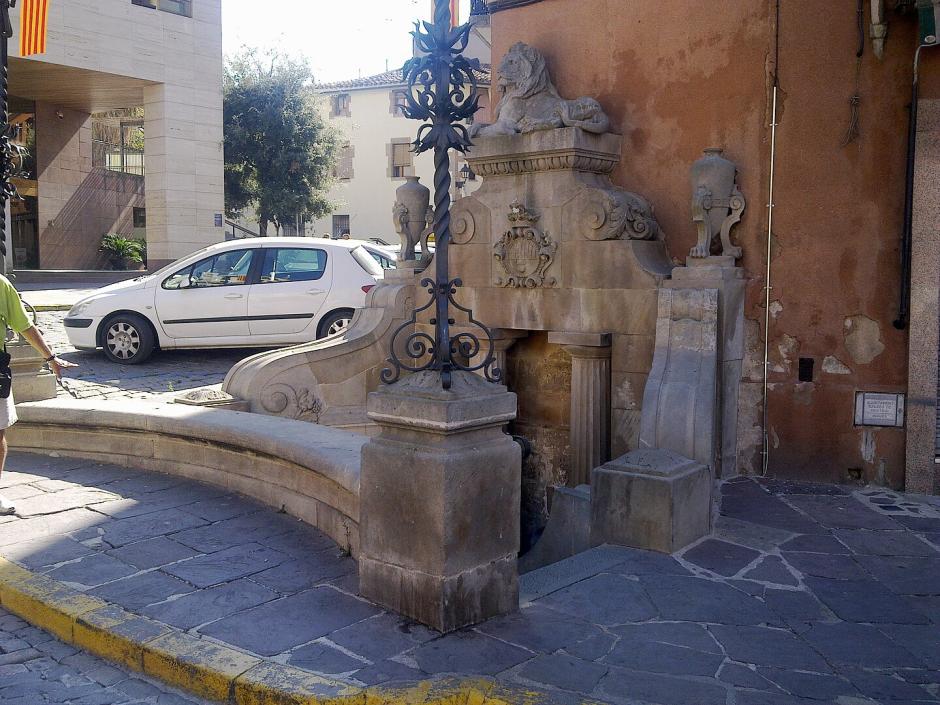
(439, 501)
(590, 401)
(184, 169)
(922, 473)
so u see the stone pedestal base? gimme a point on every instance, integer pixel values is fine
(722, 274)
(652, 499)
(31, 380)
(439, 501)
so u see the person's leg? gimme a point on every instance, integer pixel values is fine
(6, 506)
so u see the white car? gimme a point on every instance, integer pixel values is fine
(259, 292)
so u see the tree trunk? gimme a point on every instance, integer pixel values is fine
(263, 227)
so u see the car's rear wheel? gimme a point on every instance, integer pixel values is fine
(335, 322)
(127, 339)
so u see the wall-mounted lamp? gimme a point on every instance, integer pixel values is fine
(467, 173)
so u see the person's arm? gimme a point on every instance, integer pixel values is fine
(17, 318)
(34, 338)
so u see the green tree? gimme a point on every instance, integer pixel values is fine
(279, 152)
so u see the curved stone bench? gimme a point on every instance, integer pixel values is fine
(309, 471)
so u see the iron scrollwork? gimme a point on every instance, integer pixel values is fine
(444, 95)
(420, 347)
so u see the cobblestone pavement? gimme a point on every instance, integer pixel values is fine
(165, 375)
(805, 594)
(37, 668)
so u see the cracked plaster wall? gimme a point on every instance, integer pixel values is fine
(674, 87)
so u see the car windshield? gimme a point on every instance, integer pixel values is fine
(366, 261)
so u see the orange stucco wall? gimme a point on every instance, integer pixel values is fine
(678, 76)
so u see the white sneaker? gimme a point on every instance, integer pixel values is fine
(6, 507)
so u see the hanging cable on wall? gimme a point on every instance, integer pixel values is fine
(853, 131)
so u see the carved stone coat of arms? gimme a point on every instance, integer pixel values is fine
(524, 252)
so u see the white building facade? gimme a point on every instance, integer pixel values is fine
(376, 156)
(160, 60)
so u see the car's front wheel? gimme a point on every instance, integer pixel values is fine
(127, 339)
(335, 322)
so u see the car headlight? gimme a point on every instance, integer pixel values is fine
(78, 309)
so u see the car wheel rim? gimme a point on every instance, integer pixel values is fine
(123, 341)
(338, 326)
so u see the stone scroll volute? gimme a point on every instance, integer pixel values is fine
(611, 214)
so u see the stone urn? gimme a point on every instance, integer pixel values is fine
(412, 200)
(714, 174)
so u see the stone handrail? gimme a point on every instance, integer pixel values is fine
(327, 381)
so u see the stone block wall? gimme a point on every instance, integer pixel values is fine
(540, 374)
(78, 204)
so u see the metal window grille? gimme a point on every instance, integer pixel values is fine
(340, 225)
(118, 147)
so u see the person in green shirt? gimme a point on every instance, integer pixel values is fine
(13, 315)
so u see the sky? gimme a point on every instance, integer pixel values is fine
(341, 38)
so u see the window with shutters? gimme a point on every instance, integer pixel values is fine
(402, 160)
(340, 105)
(343, 171)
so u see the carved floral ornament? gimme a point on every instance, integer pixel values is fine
(524, 252)
(284, 400)
(615, 214)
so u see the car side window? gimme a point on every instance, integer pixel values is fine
(224, 269)
(292, 264)
(384, 262)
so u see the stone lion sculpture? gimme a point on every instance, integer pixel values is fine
(530, 101)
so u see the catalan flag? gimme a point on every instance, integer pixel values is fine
(34, 15)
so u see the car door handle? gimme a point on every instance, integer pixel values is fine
(234, 296)
(314, 292)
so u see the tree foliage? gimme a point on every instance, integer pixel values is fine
(279, 151)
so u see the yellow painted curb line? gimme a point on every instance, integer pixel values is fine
(212, 670)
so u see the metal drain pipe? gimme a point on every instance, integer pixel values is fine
(765, 453)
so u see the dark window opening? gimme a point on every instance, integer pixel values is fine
(806, 369)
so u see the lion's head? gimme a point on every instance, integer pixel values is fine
(523, 73)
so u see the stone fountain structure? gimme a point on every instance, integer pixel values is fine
(625, 367)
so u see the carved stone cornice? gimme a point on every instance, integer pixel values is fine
(574, 160)
(565, 149)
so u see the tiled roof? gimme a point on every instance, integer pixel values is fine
(389, 78)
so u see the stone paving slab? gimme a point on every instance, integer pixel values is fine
(36, 668)
(741, 617)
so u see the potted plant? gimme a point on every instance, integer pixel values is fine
(122, 252)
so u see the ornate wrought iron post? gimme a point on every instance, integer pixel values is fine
(7, 190)
(443, 93)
